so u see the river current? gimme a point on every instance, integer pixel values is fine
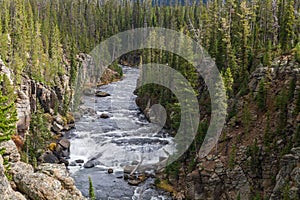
(124, 138)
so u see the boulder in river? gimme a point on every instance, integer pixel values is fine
(101, 94)
(110, 171)
(104, 116)
(79, 161)
(91, 163)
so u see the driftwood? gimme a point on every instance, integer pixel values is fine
(134, 170)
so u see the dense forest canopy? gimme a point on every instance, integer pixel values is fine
(42, 38)
(44, 41)
(37, 34)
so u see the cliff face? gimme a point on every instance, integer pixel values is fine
(32, 92)
(20, 180)
(258, 151)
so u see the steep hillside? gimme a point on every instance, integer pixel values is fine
(257, 156)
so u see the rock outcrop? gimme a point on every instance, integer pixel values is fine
(47, 182)
(6, 191)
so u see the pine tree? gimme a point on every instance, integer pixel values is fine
(261, 96)
(91, 189)
(287, 34)
(8, 113)
(39, 135)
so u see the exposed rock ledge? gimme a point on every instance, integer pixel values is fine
(47, 182)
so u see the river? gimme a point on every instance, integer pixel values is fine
(117, 141)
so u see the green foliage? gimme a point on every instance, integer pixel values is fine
(39, 136)
(297, 136)
(292, 88)
(228, 80)
(285, 192)
(297, 53)
(8, 112)
(173, 169)
(297, 108)
(254, 162)
(91, 190)
(287, 33)
(281, 104)
(261, 97)
(268, 137)
(232, 157)
(115, 67)
(246, 118)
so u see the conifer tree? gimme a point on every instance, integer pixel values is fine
(8, 112)
(286, 34)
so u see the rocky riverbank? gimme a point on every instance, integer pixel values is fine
(20, 181)
(49, 178)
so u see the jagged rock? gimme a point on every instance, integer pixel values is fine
(60, 172)
(57, 128)
(296, 151)
(65, 143)
(23, 110)
(6, 192)
(62, 148)
(52, 181)
(59, 120)
(11, 150)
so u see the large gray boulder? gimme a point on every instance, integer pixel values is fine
(50, 182)
(6, 192)
(11, 151)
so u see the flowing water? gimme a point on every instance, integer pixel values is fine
(118, 141)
